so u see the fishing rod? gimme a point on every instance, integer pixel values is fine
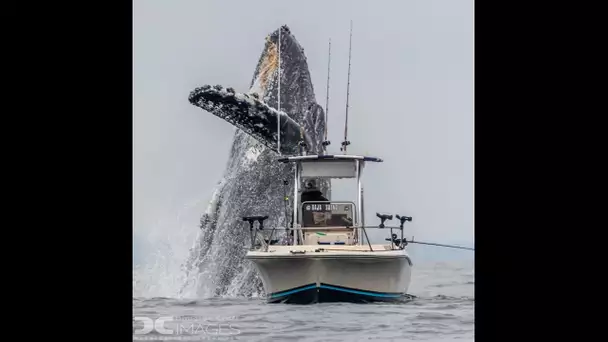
(440, 245)
(285, 200)
(346, 142)
(325, 141)
(403, 241)
(279, 96)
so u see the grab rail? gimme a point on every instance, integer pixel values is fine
(401, 243)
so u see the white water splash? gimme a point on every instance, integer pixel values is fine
(169, 241)
(215, 264)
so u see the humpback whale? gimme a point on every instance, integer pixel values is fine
(254, 183)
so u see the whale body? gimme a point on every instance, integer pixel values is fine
(254, 182)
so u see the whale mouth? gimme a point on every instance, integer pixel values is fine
(268, 69)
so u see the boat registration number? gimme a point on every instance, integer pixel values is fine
(322, 207)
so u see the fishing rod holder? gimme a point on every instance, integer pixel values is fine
(251, 219)
(383, 217)
(402, 242)
(254, 234)
(344, 144)
(303, 147)
(403, 219)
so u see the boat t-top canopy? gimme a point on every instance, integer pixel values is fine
(330, 157)
(329, 166)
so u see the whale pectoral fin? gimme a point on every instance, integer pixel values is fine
(250, 115)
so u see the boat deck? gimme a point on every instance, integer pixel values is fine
(328, 251)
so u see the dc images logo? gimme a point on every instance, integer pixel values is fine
(146, 325)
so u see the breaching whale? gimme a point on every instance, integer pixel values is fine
(254, 183)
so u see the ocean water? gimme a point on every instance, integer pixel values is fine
(443, 310)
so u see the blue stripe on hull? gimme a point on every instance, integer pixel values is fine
(312, 293)
(361, 292)
(293, 291)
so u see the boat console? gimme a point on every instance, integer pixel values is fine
(328, 223)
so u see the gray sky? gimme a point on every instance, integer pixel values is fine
(411, 102)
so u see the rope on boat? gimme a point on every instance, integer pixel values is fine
(441, 245)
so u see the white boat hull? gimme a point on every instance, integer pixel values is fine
(346, 274)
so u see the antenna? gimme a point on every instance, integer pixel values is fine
(279, 98)
(326, 142)
(346, 142)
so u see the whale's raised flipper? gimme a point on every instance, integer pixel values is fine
(251, 115)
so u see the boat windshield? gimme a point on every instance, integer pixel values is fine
(327, 214)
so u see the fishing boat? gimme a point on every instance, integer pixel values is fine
(329, 257)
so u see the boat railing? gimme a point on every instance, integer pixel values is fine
(259, 242)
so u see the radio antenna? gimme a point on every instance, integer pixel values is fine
(326, 142)
(279, 98)
(346, 142)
